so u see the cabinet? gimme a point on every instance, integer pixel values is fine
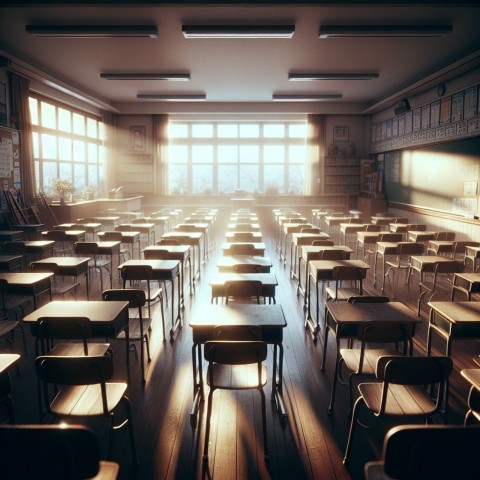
(341, 175)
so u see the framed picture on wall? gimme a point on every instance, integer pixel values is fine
(340, 133)
(138, 138)
(3, 104)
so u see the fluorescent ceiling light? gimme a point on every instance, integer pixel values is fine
(238, 31)
(174, 77)
(306, 77)
(172, 98)
(93, 31)
(329, 31)
(305, 98)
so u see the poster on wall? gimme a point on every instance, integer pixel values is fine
(470, 106)
(457, 107)
(417, 119)
(435, 114)
(445, 110)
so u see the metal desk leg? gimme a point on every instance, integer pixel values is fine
(197, 383)
(277, 381)
(176, 323)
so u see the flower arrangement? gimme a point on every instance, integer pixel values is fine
(62, 187)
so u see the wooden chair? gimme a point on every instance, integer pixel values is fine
(345, 274)
(7, 360)
(244, 290)
(115, 236)
(401, 389)
(235, 362)
(16, 248)
(62, 246)
(55, 452)
(84, 390)
(57, 285)
(401, 262)
(472, 375)
(140, 329)
(417, 452)
(445, 236)
(102, 265)
(363, 361)
(433, 285)
(134, 275)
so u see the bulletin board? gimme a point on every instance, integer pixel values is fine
(9, 158)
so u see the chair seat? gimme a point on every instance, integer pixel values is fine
(401, 399)
(134, 329)
(351, 358)
(61, 288)
(236, 377)
(75, 349)
(342, 293)
(86, 400)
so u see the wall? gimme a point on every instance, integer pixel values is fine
(356, 133)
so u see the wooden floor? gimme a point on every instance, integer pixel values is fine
(311, 444)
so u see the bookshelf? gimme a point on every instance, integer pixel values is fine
(341, 175)
(136, 173)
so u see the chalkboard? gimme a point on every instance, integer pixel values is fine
(443, 177)
(9, 158)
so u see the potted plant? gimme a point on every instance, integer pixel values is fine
(62, 188)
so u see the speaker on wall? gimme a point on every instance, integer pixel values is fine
(403, 106)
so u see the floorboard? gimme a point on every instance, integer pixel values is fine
(310, 446)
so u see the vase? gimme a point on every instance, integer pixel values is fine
(62, 199)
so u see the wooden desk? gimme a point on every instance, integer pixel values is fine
(472, 253)
(259, 247)
(226, 264)
(32, 284)
(39, 248)
(10, 263)
(406, 227)
(424, 237)
(147, 229)
(467, 283)
(256, 236)
(298, 240)
(196, 227)
(91, 228)
(383, 220)
(289, 229)
(194, 239)
(173, 252)
(439, 247)
(425, 264)
(107, 319)
(311, 252)
(70, 267)
(321, 271)
(11, 235)
(131, 237)
(365, 238)
(343, 319)
(162, 223)
(270, 318)
(269, 282)
(165, 271)
(352, 228)
(335, 221)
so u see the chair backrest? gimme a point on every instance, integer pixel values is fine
(402, 220)
(385, 331)
(443, 452)
(55, 452)
(44, 267)
(310, 230)
(323, 243)
(168, 241)
(86, 248)
(243, 236)
(232, 352)
(410, 248)
(390, 237)
(333, 255)
(373, 228)
(237, 332)
(113, 236)
(243, 289)
(355, 220)
(156, 254)
(451, 266)
(242, 249)
(459, 247)
(14, 248)
(136, 272)
(416, 227)
(135, 297)
(247, 268)
(445, 236)
(60, 328)
(368, 299)
(55, 235)
(347, 272)
(125, 227)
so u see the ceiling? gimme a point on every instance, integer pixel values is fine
(240, 73)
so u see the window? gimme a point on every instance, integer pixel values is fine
(67, 144)
(220, 157)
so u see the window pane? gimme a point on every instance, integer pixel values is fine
(227, 130)
(101, 131)
(297, 153)
(36, 145)
(65, 149)
(49, 173)
(274, 154)
(92, 128)
(202, 154)
(78, 124)
(227, 178)
(297, 130)
(296, 179)
(274, 131)
(49, 147)
(249, 130)
(227, 154)
(33, 103)
(178, 130)
(178, 179)
(64, 120)
(202, 130)
(93, 177)
(249, 177)
(79, 176)
(48, 115)
(202, 176)
(274, 177)
(79, 151)
(178, 154)
(65, 171)
(249, 153)
(92, 153)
